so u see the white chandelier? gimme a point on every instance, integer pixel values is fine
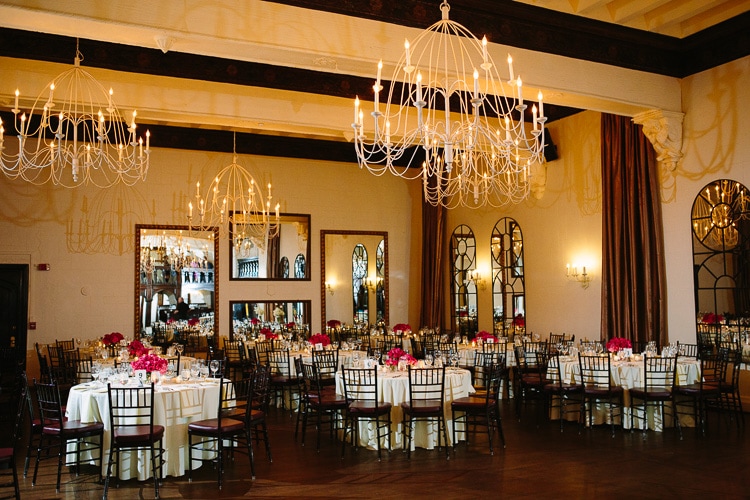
(236, 204)
(74, 135)
(447, 99)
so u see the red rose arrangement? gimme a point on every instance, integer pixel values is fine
(319, 338)
(402, 327)
(193, 322)
(137, 349)
(268, 333)
(712, 319)
(485, 336)
(333, 323)
(290, 325)
(255, 321)
(150, 363)
(396, 354)
(112, 338)
(616, 344)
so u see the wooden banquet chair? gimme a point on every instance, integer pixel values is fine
(657, 391)
(257, 411)
(596, 378)
(730, 401)
(699, 396)
(530, 373)
(559, 393)
(363, 403)
(131, 417)
(475, 411)
(326, 363)
(57, 431)
(284, 380)
(426, 404)
(319, 406)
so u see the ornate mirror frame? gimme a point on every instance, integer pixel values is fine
(346, 291)
(145, 290)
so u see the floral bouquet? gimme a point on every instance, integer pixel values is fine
(150, 363)
(485, 336)
(112, 338)
(290, 325)
(712, 319)
(402, 327)
(255, 321)
(170, 321)
(137, 349)
(333, 323)
(193, 322)
(616, 344)
(320, 338)
(269, 335)
(396, 354)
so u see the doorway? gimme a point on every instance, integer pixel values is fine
(14, 306)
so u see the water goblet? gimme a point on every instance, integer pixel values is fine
(204, 372)
(180, 348)
(214, 365)
(428, 360)
(155, 377)
(96, 367)
(195, 370)
(185, 374)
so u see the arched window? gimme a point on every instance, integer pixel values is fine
(463, 253)
(359, 283)
(508, 285)
(721, 255)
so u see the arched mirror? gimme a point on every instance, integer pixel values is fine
(260, 257)
(176, 280)
(721, 255)
(345, 256)
(508, 285)
(463, 251)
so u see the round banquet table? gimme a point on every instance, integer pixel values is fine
(393, 387)
(175, 406)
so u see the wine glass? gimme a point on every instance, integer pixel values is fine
(180, 348)
(195, 370)
(428, 358)
(185, 374)
(204, 371)
(96, 367)
(214, 365)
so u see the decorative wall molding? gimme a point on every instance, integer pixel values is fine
(664, 130)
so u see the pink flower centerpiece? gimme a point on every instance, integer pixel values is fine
(269, 335)
(112, 338)
(320, 338)
(484, 336)
(402, 327)
(150, 363)
(712, 319)
(616, 344)
(396, 354)
(137, 349)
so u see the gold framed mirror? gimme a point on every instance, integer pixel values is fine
(176, 278)
(272, 313)
(284, 255)
(354, 276)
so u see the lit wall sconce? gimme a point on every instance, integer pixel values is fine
(583, 277)
(329, 287)
(476, 278)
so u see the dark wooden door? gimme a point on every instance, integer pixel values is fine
(14, 303)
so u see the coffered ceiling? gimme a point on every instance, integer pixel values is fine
(290, 69)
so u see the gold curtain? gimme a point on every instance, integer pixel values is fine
(433, 233)
(633, 277)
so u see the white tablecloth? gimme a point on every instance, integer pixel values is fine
(175, 406)
(393, 387)
(630, 374)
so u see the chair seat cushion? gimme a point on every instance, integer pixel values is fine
(73, 428)
(471, 403)
(663, 393)
(601, 392)
(6, 454)
(423, 406)
(365, 408)
(211, 426)
(555, 387)
(138, 434)
(697, 389)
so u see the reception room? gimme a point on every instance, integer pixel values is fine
(600, 248)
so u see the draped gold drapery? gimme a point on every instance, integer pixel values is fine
(433, 233)
(633, 276)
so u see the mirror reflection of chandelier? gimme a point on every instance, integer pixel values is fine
(716, 212)
(448, 99)
(74, 135)
(237, 205)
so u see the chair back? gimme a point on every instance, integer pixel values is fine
(659, 373)
(426, 384)
(499, 346)
(389, 342)
(483, 361)
(261, 388)
(43, 362)
(689, 350)
(595, 371)
(494, 375)
(67, 345)
(49, 403)
(556, 338)
(311, 380)
(280, 363)
(361, 384)
(232, 350)
(262, 348)
(131, 408)
(729, 369)
(532, 356)
(327, 362)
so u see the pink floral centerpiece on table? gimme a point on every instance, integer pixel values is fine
(112, 338)
(616, 344)
(484, 336)
(268, 334)
(254, 321)
(712, 319)
(402, 327)
(137, 349)
(150, 363)
(396, 354)
(320, 338)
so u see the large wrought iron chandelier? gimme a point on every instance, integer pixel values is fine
(74, 135)
(447, 99)
(237, 205)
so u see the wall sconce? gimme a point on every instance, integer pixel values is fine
(583, 277)
(476, 278)
(372, 284)
(329, 287)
